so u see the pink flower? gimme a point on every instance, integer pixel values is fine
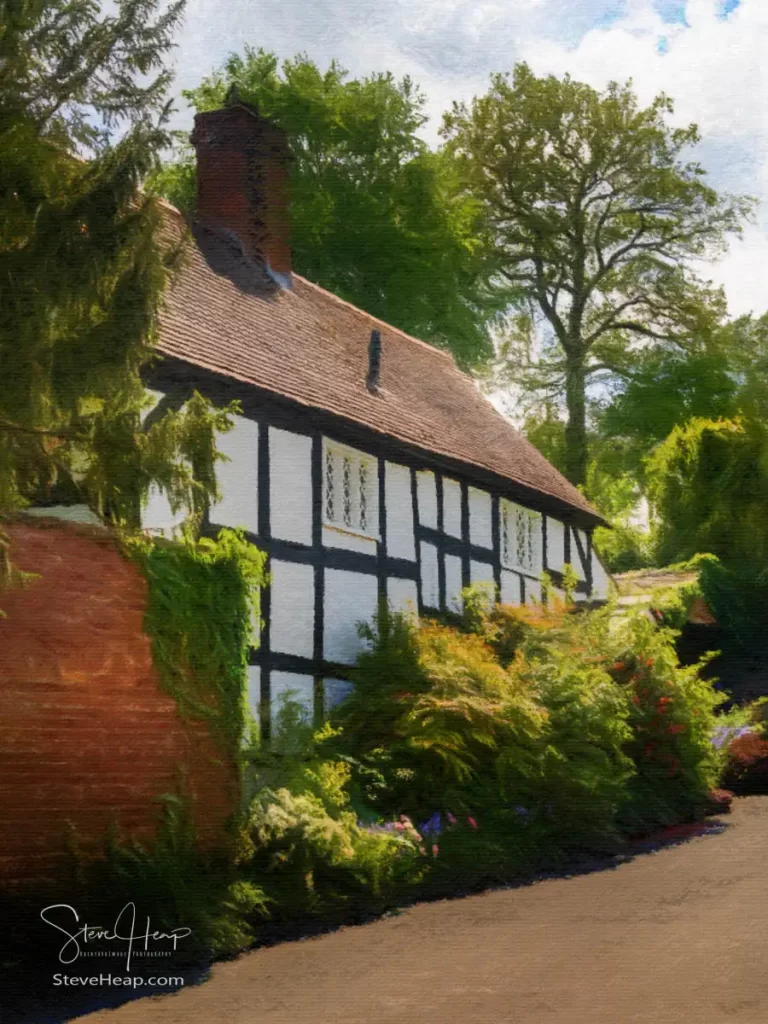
(450, 817)
(435, 850)
(472, 822)
(417, 837)
(405, 819)
(399, 826)
(422, 851)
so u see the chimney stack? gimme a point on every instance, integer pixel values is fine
(242, 183)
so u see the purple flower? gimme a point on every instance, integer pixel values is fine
(432, 827)
(522, 810)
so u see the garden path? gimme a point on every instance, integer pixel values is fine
(669, 937)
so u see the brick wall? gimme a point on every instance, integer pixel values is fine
(86, 734)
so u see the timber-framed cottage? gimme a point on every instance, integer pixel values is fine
(365, 463)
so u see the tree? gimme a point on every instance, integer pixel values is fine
(83, 263)
(596, 218)
(376, 217)
(709, 484)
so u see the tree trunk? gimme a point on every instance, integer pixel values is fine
(576, 427)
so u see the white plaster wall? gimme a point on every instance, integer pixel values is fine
(157, 516)
(292, 621)
(254, 689)
(430, 583)
(427, 497)
(400, 534)
(532, 590)
(555, 544)
(335, 537)
(479, 572)
(453, 586)
(334, 692)
(480, 531)
(238, 479)
(452, 507)
(600, 580)
(510, 587)
(350, 597)
(300, 688)
(403, 595)
(290, 484)
(575, 556)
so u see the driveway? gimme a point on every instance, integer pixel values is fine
(678, 935)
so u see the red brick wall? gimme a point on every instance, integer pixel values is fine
(86, 734)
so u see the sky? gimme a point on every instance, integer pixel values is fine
(708, 55)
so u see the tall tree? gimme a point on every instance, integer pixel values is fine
(375, 216)
(82, 261)
(597, 218)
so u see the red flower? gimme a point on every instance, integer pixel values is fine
(636, 699)
(472, 822)
(676, 728)
(619, 666)
(648, 750)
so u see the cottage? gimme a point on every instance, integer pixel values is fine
(365, 463)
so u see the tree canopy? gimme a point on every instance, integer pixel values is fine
(597, 219)
(83, 264)
(376, 217)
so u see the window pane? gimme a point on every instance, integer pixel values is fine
(363, 496)
(347, 490)
(330, 496)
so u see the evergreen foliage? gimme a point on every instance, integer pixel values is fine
(709, 483)
(376, 217)
(84, 263)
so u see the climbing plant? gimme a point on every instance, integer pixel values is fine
(202, 605)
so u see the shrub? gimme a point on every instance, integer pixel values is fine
(304, 844)
(430, 712)
(177, 884)
(672, 716)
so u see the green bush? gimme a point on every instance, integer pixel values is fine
(709, 486)
(430, 712)
(672, 717)
(177, 884)
(305, 845)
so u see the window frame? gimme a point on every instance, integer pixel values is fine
(347, 464)
(508, 538)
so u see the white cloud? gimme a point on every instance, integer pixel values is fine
(712, 67)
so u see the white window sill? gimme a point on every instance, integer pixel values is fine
(348, 531)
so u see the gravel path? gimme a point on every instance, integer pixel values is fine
(678, 935)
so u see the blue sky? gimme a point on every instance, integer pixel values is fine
(707, 54)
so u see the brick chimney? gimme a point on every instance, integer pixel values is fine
(242, 183)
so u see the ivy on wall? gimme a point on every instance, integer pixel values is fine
(202, 603)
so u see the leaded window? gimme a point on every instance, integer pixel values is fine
(350, 499)
(520, 538)
(330, 487)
